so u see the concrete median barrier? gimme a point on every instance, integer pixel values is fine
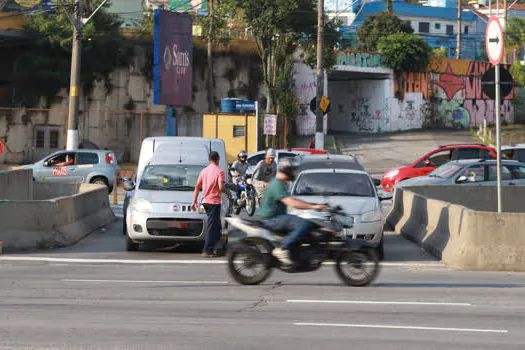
(53, 216)
(464, 238)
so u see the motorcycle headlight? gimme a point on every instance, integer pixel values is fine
(392, 173)
(141, 205)
(371, 216)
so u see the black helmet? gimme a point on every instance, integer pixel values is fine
(288, 167)
(241, 155)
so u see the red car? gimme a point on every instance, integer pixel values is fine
(434, 159)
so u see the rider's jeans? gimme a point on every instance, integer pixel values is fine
(297, 227)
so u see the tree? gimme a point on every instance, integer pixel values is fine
(49, 69)
(405, 52)
(440, 52)
(515, 35)
(378, 26)
(279, 28)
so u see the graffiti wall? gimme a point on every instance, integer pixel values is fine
(454, 92)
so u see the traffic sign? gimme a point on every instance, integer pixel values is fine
(494, 40)
(325, 103)
(488, 82)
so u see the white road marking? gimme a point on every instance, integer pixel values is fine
(133, 281)
(175, 261)
(371, 302)
(445, 329)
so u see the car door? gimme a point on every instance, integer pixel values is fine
(473, 175)
(492, 179)
(518, 175)
(431, 162)
(86, 164)
(60, 168)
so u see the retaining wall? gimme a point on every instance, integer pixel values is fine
(16, 184)
(463, 238)
(54, 222)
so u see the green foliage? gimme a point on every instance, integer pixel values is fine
(48, 63)
(378, 26)
(439, 53)
(222, 13)
(405, 52)
(518, 74)
(515, 32)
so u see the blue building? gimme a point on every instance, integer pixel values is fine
(435, 22)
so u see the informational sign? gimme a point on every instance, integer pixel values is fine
(173, 72)
(270, 124)
(245, 106)
(494, 40)
(197, 6)
(60, 171)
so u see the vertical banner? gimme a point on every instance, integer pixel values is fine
(173, 57)
(270, 124)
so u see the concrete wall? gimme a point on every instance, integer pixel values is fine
(463, 238)
(54, 223)
(16, 185)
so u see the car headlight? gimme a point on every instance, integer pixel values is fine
(141, 205)
(392, 173)
(371, 216)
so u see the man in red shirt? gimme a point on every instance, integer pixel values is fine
(212, 182)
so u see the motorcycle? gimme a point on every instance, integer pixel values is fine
(326, 239)
(247, 197)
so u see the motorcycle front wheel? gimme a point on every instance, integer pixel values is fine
(246, 262)
(357, 268)
(250, 205)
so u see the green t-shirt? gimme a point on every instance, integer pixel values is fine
(272, 205)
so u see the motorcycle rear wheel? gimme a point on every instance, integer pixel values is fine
(365, 261)
(238, 253)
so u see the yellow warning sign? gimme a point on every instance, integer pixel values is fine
(325, 102)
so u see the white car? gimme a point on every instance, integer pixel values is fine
(341, 180)
(516, 152)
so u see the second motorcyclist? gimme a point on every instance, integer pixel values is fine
(238, 170)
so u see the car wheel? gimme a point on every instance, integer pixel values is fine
(381, 250)
(101, 181)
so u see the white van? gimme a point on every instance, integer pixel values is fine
(159, 206)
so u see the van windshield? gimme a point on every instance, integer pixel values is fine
(170, 177)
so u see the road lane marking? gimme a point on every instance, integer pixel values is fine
(175, 261)
(445, 329)
(134, 281)
(370, 302)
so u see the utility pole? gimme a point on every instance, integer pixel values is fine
(211, 95)
(74, 89)
(505, 12)
(458, 44)
(319, 136)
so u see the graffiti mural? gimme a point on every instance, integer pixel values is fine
(455, 91)
(359, 59)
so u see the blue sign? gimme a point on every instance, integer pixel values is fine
(245, 106)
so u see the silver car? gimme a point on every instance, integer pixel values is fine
(341, 180)
(471, 172)
(80, 166)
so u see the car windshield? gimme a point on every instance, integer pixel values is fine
(334, 184)
(446, 171)
(170, 177)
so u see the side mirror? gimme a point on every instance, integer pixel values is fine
(427, 162)
(385, 196)
(46, 163)
(461, 179)
(128, 184)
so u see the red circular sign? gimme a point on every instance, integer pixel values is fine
(494, 40)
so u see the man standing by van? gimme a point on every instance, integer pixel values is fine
(212, 182)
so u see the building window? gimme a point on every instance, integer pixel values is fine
(238, 131)
(424, 27)
(450, 29)
(466, 29)
(452, 52)
(53, 139)
(437, 26)
(40, 139)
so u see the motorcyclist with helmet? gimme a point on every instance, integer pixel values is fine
(238, 170)
(273, 209)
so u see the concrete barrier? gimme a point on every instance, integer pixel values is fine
(60, 215)
(16, 184)
(463, 238)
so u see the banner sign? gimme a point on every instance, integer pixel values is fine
(173, 68)
(270, 124)
(199, 7)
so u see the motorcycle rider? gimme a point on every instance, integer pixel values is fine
(239, 168)
(264, 173)
(273, 209)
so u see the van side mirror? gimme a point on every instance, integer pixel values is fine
(128, 184)
(385, 196)
(461, 179)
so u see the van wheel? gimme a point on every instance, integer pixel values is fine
(130, 245)
(99, 180)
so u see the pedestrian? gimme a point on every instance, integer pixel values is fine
(212, 182)
(264, 173)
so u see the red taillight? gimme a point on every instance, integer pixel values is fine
(109, 158)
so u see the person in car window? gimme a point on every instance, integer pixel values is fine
(273, 210)
(264, 173)
(68, 161)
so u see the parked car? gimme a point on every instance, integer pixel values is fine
(516, 152)
(342, 180)
(434, 159)
(80, 166)
(471, 172)
(158, 204)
